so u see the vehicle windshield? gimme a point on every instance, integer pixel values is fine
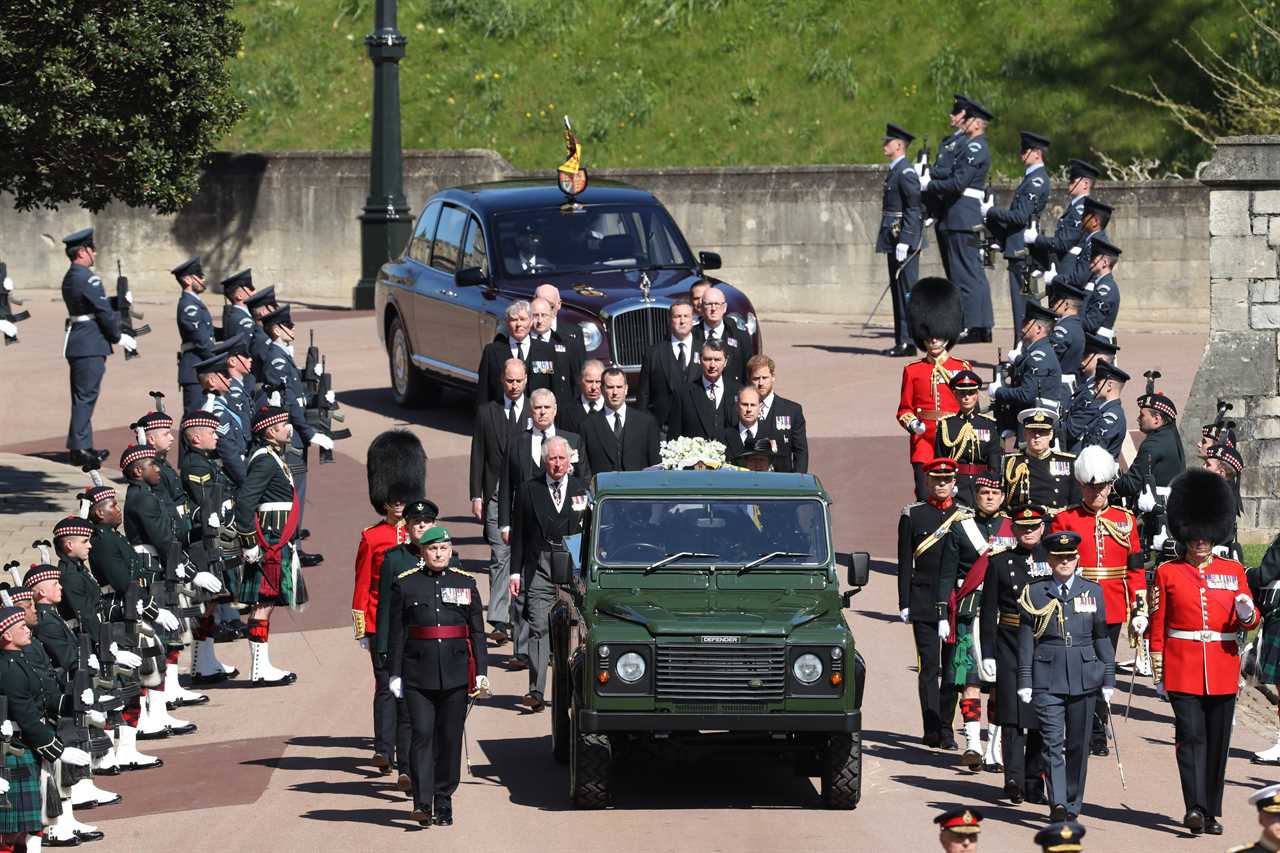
(604, 237)
(641, 531)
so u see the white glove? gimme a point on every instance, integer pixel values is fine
(9, 330)
(1223, 551)
(483, 689)
(928, 223)
(1157, 541)
(1030, 233)
(214, 520)
(183, 570)
(252, 555)
(129, 342)
(6, 728)
(322, 441)
(989, 669)
(921, 167)
(918, 427)
(97, 719)
(1050, 274)
(129, 659)
(128, 296)
(93, 663)
(1244, 607)
(944, 629)
(228, 505)
(207, 581)
(75, 756)
(8, 283)
(905, 614)
(318, 370)
(396, 686)
(1075, 250)
(1014, 354)
(1107, 693)
(1146, 500)
(1139, 624)
(900, 252)
(167, 620)
(986, 204)
(992, 388)
(364, 643)
(1160, 691)
(1024, 695)
(924, 180)
(330, 397)
(86, 696)
(4, 786)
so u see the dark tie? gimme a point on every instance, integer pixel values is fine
(1062, 590)
(511, 414)
(617, 425)
(751, 436)
(683, 361)
(555, 491)
(711, 394)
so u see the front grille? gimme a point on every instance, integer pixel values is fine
(633, 333)
(719, 708)
(721, 674)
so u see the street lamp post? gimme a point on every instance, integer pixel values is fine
(385, 220)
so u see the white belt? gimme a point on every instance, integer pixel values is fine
(1104, 332)
(80, 318)
(146, 549)
(1069, 378)
(1163, 490)
(1204, 636)
(974, 192)
(276, 506)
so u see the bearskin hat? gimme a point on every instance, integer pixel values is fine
(397, 469)
(934, 311)
(1095, 465)
(1200, 506)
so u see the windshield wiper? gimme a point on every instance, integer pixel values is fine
(764, 558)
(679, 555)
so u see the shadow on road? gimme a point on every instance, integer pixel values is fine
(31, 491)
(374, 817)
(454, 412)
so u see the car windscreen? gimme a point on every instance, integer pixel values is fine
(642, 531)
(553, 241)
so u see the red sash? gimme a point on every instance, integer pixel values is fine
(272, 560)
(451, 632)
(972, 579)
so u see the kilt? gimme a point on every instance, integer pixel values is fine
(1268, 650)
(964, 663)
(254, 588)
(23, 813)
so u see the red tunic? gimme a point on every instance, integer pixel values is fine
(927, 397)
(1111, 554)
(1193, 599)
(374, 542)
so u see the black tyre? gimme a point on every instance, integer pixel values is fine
(408, 384)
(590, 764)
(842, 771)
(560, 693)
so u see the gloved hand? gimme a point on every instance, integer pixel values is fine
(918, 427)
(6, 728)
(228, 505)
(75, 756)
(1024, 695)
(167, 620)
(1074, 250)
(992, 388)
(4, 785)
(1223, 551)
(8, 283)
(901, 251)
(86, 696)
(330, 397)
(944, 629)
(1107, 693)
(129, 343)
(97, 719)
(322, 441)
(1146, 500)
(1160, 691)
(128, 659)
(1050, 274)
(8, 329)
(986, 204)
(214, 520)
(93, 663)
(207, 581)
(928, 222)
(1244, 607)
(1139, 624)
(924, 180)
(1030, 233)
(483, 690)
(318, 370)
(1014, 354)
(364, 643)
(396, 686)
(905, 614)
(252, 555)
(989, 669)
(1157, 541)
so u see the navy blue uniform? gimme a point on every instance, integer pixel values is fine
(1081, 424)
(1036, 373)
(901, 222)
(1114, 426)
(961, 194)
(92, 327)
(1067, 233)
(1067, 339)
(233, 439)
(1101, 306)
(941, 168)
(1073, 268)
(1007, 225)
(195, 328)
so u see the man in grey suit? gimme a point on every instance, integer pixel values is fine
(1064, 657)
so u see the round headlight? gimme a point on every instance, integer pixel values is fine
(630, 667)
(591, 337)
(836, 653)
(807, 669)
(603, 651)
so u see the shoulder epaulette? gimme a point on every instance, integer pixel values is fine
(1064, 453)
(1240, 847)
(408, 572)
(906, 510)
(462, 572)
(987, 415)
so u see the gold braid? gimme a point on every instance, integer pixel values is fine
(1113, 530)
(1043, 614)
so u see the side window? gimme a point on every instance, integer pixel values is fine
(475, 256)
(420, 242)
(447, 248)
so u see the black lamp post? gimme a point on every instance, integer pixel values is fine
(385, 220)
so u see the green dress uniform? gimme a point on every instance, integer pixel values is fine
(437, 644)
(152, 525)
(269, 501)
(80, 598)
(171, 483)
(36, 702)
(209, 492)
(973, 440)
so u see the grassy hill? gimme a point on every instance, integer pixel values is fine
(717, 82)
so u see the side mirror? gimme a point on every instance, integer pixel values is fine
(709, 260)
(561, 568)
(859, 568)
(470, 277)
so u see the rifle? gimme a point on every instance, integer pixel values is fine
(122, 302)
(319, 386)
(172, 585)
(7, 298)
(74, 730)
(7, 748)
(121, 681)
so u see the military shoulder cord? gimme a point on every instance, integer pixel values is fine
(1042, 615)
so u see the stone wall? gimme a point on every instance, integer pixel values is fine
(797, 239)
(1240, 358)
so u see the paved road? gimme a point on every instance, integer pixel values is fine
(288, 767)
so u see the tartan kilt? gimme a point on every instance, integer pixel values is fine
(1268, 650)
(23, 812)
(964, 663)
(250, 590)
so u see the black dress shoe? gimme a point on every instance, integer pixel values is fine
(1213, 827)
(948, 742)
(1099, 747)
(288, 679)
(51, 841)
(205, 680)
(932, 739)
(1013, 792)
(404, 783)
(185, 729)
(1194, 821)
(993, 768)
(304, 534)
(1035, 795)
(160, 735)
(95, 835)
(309, 560)
(200, 699)
(421, 815)
(899, 350)
(83, 458)
(1059, 813)
(499, 637)
(443, 820)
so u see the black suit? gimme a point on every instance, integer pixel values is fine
(737, 348)
(520, 466)
(567, 356)
(637, 450)
(661, 377)
(786, 418)
(570, 417)
(539, 364)
(731, 438)
(693, 414)
(489, 445)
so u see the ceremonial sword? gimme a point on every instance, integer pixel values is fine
(1115, 743)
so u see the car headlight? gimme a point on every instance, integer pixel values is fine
(807, 669)
(591, 337)
(630, 667)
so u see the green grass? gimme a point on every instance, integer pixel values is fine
(720, 82)
(1253, 553)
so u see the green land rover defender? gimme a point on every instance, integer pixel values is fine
(705, 610)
